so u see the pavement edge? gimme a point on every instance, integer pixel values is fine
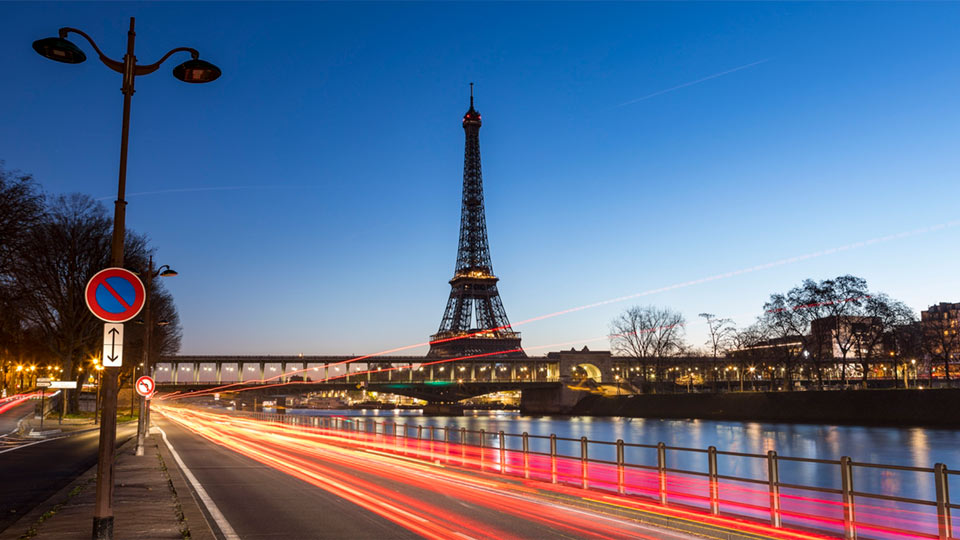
(194, 516)
(27, 521)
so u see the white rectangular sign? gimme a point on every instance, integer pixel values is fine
(43, 382)
(112, 345)
(63, 384)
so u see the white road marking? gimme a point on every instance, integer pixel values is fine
(28, 444)
(212, 508)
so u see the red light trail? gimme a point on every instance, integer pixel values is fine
(12, 401)
(323, 460)
(348, 463)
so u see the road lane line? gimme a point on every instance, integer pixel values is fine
(29, 444)
(211, 506)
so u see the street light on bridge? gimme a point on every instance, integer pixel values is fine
(194, 70)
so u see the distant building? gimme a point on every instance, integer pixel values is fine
(790, 346)
(940, 343)
(860, 337)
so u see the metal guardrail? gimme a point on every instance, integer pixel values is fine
(632, 478)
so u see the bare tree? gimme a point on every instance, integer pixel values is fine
(884, 316)
(835, 317)
(908, 347)
(747, 345)
(648, 333)
(775, 336)
(790, 317)
(21, 208)
(721, 334)
(62, 252)
(843, 296)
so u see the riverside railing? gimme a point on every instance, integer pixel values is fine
(673, 476)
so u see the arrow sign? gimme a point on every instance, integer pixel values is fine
(112, 345)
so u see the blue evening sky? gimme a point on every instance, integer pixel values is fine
(310, 197)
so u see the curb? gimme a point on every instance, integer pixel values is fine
(193, 515)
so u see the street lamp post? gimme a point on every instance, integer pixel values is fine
(191, 71)
(143, 420)
(96, 405)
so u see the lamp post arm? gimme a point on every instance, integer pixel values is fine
(150, 68)
(107, 61)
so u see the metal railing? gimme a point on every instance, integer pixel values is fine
(604, 465)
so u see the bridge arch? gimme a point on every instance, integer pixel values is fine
(597, 365)
(591, 371)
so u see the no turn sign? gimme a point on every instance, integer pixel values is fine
(145, 386)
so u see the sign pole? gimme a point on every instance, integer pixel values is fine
(41, 407)
(143, 420)
(114, 295)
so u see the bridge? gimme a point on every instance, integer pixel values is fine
(437, 381)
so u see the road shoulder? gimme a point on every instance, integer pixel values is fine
(151, 502)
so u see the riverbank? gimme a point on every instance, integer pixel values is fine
(930, 407)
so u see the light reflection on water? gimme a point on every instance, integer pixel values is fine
(917, 447)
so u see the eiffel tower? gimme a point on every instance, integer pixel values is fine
(474, 322)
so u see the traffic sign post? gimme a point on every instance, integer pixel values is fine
(115, 295)
(146, 386)
(43, 383)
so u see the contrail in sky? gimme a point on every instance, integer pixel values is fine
(691, 83)
(190, 190)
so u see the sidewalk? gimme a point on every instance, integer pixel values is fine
(150, 501)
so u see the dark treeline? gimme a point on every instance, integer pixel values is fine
(835, 331)
(50, 246)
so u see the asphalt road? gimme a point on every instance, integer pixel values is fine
(9, 419)
(32, 472)
(261, 502)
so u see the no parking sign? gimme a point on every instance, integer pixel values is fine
(115, 295)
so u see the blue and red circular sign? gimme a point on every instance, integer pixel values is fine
(115, 295)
